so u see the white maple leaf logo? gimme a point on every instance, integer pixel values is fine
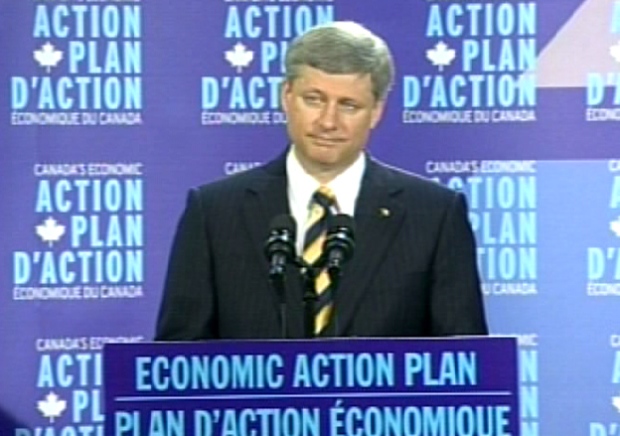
(239, 57)
(50, 231)
(614, 51)
(48, 56)
(614, 226)
(52, 407)
(615, 401)
(441, 55)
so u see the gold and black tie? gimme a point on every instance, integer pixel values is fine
(322, 206)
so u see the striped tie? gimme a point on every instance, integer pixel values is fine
(322, 206)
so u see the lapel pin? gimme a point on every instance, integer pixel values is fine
(384, 212)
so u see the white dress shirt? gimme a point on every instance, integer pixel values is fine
(301, 187)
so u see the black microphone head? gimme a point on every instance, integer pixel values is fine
(341, 222)
(281, 239)
(340, 235)
(283, 222)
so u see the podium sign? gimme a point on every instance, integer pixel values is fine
(349, 387)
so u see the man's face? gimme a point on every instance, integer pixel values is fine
(329, 117)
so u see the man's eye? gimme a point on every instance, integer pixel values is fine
(311, 99)
(349, 107)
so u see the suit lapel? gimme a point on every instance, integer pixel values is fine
(378, 216)
(266, 197)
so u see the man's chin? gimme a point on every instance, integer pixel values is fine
(331, 162)
(325, 156)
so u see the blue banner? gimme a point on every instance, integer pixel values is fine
(335, 387)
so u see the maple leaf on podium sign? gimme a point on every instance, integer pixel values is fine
(48, 56)
(441, 55)
(52, 407)
(239, 57)
(614, 51)
(50, 231)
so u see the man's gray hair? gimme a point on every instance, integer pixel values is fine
(343, 47)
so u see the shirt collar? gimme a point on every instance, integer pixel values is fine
(345, 186)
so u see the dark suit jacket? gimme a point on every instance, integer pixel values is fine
(413, 272)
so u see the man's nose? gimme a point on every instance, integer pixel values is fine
(328, 118)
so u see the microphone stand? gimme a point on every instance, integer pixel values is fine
(310, 297)
(309, 275)
(277, 281)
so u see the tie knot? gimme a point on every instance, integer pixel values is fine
(325, 197)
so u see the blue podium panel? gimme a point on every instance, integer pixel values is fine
(349, 387)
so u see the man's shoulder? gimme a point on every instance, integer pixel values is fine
(239, 182)
(412, 182)
(231, 182)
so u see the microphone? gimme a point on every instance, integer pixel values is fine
(339, 244)
(280, 245)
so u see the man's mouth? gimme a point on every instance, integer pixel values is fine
(321, 140)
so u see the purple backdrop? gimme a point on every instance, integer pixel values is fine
(111, 110)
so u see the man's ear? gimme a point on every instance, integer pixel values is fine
(377, 113)
(285, 94)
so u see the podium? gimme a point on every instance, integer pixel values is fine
(349, 387)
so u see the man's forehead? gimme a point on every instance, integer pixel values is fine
(307, 71)
(337, 83)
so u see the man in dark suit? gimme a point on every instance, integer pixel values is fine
(413, 272)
